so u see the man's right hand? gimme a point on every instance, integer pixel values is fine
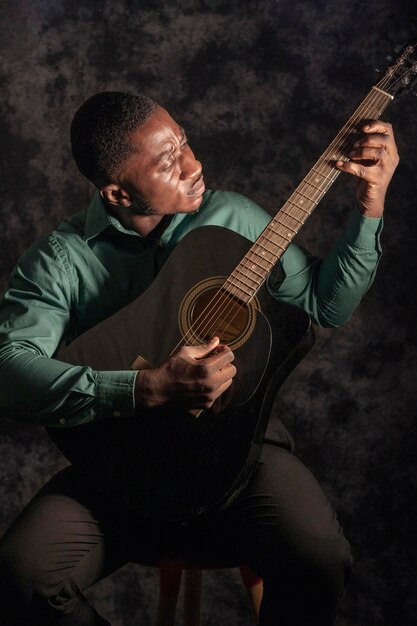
(191, 378)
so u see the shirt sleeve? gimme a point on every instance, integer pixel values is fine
(330, 289)
(35, 316)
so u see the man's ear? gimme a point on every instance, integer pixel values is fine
(116, 195)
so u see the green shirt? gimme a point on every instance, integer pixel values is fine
(91, 266)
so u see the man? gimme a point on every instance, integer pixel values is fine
(150, 193)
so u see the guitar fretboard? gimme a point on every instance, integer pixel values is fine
(253, 270)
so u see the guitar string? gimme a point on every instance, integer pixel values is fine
(368, 103)
(373, 100)
(341, 136)
(367, 106)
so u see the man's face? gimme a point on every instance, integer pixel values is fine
(163, 176)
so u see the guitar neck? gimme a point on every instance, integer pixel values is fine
(253, 270)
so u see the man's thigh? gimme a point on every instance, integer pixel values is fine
(58, 540)
(281, 514)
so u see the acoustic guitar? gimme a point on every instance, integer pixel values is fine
(172, 464)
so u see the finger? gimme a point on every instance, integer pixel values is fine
(367, 153)
(226, 373)
(377, 126)
(207, 403)
(201, 351)
(375, 140)
(222, 388)
(350, 167)
(218, 361)
(208, 385)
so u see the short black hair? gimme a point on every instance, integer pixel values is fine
(100, 129)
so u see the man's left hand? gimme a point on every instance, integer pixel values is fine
(373, 160)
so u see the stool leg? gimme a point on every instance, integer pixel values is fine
(255, 594)
(192, 597)
(169, 586)
(254, 588)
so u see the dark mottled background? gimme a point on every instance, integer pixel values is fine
(261, 88)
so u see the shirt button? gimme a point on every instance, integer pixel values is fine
(62, 420)
(116, 413)
(160, 243)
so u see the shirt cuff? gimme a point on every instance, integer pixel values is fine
(115, 393)
(363, 232)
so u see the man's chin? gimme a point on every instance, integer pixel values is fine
(195, 204)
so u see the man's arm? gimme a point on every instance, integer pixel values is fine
(34, 317)
(330, 289)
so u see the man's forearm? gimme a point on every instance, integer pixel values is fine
(330, 289)
(47, 392)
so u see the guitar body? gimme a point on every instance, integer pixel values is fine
(174, 464)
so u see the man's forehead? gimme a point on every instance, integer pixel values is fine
(159, 133)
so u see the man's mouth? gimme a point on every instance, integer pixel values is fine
(198, 188)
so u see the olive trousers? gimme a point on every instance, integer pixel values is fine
(70, 536)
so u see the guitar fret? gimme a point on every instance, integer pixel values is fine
(329, 178)
(292, 217)
(236, 292)
(319, 191)
(307, 182)
(251, 260)
(316, 195)
(264, 248)
(285, 233)
(240, 271)
(248, 293)
(284, 224)
(275, 242)
(274, 230)
(264, 258)
(336, 154)
(252, 267)
(300, 209)
(304, 196)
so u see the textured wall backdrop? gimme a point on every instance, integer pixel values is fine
(261, 87)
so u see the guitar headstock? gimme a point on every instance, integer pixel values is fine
(401, 75)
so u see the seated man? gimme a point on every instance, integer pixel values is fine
(150, 193)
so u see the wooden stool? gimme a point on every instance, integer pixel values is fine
(170, 575)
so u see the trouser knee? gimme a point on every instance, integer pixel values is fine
(303, 583)
(324, 561)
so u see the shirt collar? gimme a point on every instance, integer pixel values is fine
(98, 219)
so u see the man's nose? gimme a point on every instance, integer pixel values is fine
(190, 167)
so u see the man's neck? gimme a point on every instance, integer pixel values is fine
(143, 225)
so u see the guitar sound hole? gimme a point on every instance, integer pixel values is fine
(217, 313)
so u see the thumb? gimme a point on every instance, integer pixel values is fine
(204, 349)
